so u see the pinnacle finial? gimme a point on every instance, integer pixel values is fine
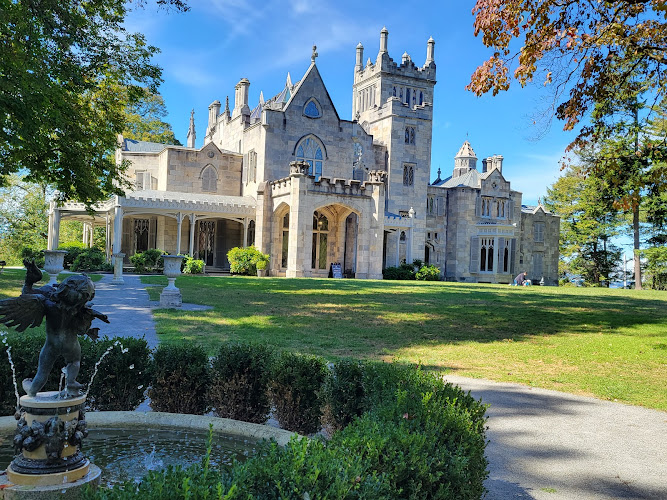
(315, 54)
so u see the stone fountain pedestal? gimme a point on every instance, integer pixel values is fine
(48, 437)
(171, 296)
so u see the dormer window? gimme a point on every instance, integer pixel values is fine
(312, 109)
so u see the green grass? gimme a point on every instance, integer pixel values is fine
(608, 343)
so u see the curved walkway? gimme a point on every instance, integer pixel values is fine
(543, 445)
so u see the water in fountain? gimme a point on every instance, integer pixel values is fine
(11, 363)
(99, 361)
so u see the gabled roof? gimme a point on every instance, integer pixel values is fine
(311, 73)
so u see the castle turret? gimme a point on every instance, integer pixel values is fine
(465, 160)
(191, 131)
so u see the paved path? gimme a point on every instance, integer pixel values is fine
(557, 446)
(128, 308)
(543, 445)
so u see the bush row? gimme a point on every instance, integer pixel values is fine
(246, 260)
(415, 271)
(396, 431)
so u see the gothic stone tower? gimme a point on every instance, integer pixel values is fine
(394, 103)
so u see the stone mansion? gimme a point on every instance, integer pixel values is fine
(309, 188)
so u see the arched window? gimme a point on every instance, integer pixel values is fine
(285, 243)
(421, 98)
(310, 150)
(320, 238)
(209, 180)
(486, 255)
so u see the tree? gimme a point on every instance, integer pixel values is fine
(143, 121)
(589, 221)
(589, 51)
(61, 65)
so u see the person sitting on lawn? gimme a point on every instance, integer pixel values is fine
(521, 280)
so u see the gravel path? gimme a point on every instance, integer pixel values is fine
(556, 446)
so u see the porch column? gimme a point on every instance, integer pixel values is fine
(107, 242)
(245, 232)
(117, 240)
(408, 254)
(179, 225)
(55, 234)
(193, 219)
(398, 246)
(49, 238)
(84, 234)
(91, 235)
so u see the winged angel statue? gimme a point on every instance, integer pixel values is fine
(68, 315)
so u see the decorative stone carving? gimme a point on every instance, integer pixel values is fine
(54, 264)
(377, 176)
(299, 168)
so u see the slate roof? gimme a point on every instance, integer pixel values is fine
(142, 146)
(469, 179)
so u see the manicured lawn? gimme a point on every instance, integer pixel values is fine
(608, 343)
(11, 281)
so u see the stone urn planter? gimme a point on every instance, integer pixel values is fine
(54, 264)
(171, 296)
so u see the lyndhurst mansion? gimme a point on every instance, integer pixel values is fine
(305, 186)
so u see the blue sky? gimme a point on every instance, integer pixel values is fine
(206, 51)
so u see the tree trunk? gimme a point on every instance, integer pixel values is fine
(637, 256)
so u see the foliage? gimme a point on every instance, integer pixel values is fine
(656, 267)
(23, 220)
(33, 254)
(73, 250)
(402, 272)
(90, 259)
(343, 395)
(588, 50)
(148, 261)
(63, 65)
(190, 265)
(295, 383)
(243, 260)
(143, 120)
(123, 374)
(589, 222)
(240, 377)
(179, 379)
(428, 273)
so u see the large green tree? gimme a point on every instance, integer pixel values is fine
(589, 222)
(144, 120)
(62, 63)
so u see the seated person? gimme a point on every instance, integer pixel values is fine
(521, 280)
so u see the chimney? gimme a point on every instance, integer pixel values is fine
(241, 98)
(213, 112)
(430, 51)
(360, 58)
(383, 40)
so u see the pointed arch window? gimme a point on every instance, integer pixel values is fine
(310, 150)
(408, 175)
(209, 180)
(486, 255)
(285, 242)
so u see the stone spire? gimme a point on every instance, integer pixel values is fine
(191, 130)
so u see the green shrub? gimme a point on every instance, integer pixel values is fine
(294, 387)
(73, 249)
(244, 260)
(343, 394)
(403, 272)
(123, 375)
(180, 378)
(33, 254)
(90, 259)
(148, 261)
(190, 265)
(428, 273)
(240, 377)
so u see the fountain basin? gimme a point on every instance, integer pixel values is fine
(127, 445)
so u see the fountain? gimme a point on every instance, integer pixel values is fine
(51, 425)
(171, 296)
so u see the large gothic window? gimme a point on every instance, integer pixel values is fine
(209, 180)
(310, 150)
(285, 243)
(408, 175)
(320, 239)
(486, 255)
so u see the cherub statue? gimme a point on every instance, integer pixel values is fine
(68, 315)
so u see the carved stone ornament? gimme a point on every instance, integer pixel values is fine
(299, 167)
(377, 176)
